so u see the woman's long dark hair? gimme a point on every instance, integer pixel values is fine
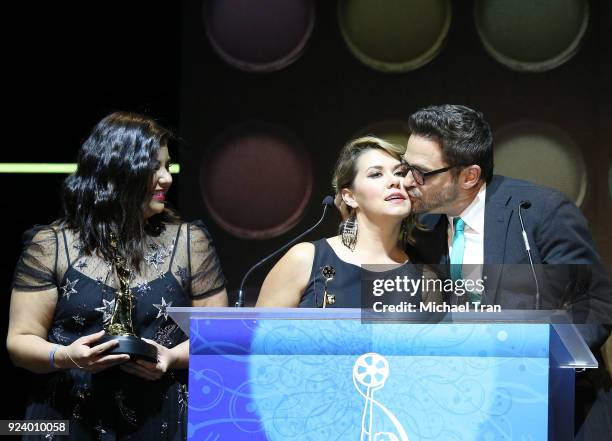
(106, 194)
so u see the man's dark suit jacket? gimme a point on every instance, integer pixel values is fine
(558, 234)
(560, 240)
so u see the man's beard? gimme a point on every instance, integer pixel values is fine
(435, 201)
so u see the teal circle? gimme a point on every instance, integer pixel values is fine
(531, 35)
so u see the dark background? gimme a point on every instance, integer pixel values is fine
(327, 96)
(68, 65)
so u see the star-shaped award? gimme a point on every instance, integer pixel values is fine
(68, 288)
(162, 308)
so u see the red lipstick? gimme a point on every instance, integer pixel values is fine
(159, 196)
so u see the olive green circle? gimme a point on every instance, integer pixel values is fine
(394, 35)
(393, 131)
(544, 154)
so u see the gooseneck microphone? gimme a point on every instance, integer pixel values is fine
(327, 201)
(525, 205)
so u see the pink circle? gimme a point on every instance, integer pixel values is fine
(260, 36)
(256, 181)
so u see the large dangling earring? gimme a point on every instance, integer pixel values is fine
(349, 232)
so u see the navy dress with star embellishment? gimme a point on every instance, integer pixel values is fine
(180, 264)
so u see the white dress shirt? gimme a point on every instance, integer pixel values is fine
(473, 252)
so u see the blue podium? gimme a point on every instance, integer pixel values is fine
(314, 374)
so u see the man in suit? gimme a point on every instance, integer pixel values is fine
(449, 158)
(471, 216)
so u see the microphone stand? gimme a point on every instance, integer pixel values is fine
(327, 201)
(527, 204)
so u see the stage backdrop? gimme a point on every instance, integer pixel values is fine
(272, 89)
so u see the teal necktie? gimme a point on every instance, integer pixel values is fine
(456, 258)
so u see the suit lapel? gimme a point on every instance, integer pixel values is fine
(441, 244)
(431, 245)
(498, 212)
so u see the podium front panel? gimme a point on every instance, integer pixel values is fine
(306, 379)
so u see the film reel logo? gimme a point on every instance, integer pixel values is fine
(370, 372)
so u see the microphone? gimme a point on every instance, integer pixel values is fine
(327, 201)
(526, 205)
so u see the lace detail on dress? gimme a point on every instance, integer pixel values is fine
(203, 272)
(35, 270)
(184, 252)
(112, 403)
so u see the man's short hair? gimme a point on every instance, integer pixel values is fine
(462, 133)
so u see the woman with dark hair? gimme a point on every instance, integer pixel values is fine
(369, 178)
(66, 284)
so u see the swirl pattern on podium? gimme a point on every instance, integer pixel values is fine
(457, 383)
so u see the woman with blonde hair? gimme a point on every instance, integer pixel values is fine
(368, 176)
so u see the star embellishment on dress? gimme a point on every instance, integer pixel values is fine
(142, 288)
(82, 264)
(100, 429)
(162, 309)
(181, 273)
(57, 334)
(106, 309)
(156, 256)
(182, 398)
(79, 320)
(163, 336)
(68, 288)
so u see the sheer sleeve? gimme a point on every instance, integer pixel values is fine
(36, 268)
(206, 276)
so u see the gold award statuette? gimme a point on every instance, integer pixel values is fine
(120, 326)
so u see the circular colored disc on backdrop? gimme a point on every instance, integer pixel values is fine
(393, 131)
(256, 180)
(610, 181)
(531, 35)
(259, 36)
(394, 35)
(544, 154)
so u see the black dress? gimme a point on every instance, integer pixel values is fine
(180, 264)
(351, 284)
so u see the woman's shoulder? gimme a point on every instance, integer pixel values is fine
(41, 241)
(300, 254)
(41, 233)
(172, 230)
(191, 236)
(195, 229)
